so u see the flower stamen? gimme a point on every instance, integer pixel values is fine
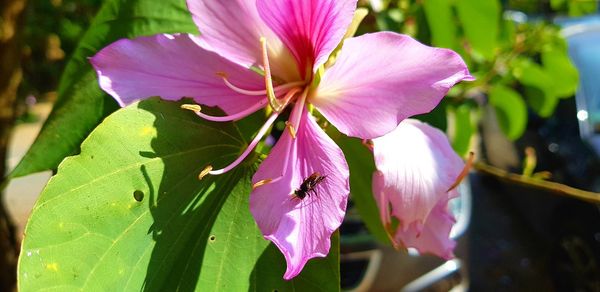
(205, 172)
(291, 129)
(257, 92)
(261, 183)
(234, 117)
(268, 79)
(464, 172)
(192, 107)
(263, 130)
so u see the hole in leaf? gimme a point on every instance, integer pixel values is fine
(138, 195)
(212, 238)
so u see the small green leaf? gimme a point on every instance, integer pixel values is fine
(81, 104)
(461, 128)
(480, 21)
(441, 23)
(511, 110)
(541, 89)
(564, 75)
(541, 101)
(129, 214)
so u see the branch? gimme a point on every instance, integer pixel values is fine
(552, 187)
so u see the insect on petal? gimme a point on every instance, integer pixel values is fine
(301, 227)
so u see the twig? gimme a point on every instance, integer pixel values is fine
(553, 187)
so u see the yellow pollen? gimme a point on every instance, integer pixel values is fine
(292, 129)
(191, 107)
(261, 183)
(205, 172)
(221, 74)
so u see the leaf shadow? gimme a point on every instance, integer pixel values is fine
(183, 209)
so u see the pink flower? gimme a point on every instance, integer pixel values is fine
(417, 172)
(377, 80)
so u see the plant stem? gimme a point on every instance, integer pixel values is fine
(552, 187)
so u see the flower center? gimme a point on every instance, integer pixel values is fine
(277, 97)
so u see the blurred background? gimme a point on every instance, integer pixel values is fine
(532, 118)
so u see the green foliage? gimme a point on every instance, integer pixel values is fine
(52, 30)
(462, 128)
(362, 166)
(81, 103)
(575, 7)
(129, 213)
(480, 21)
(531, 57)
(441, 23)
(511, 110)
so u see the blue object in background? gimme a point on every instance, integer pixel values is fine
(583, 36)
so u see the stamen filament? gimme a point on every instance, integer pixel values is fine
(287, 98)
(258, 92)
(296, 115)
(250, 147)
(234, 117)
(464, 172)
(268, 80)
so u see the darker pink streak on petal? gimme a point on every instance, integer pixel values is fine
(434, 238)
(382, 78)
(172, 67)
(301, 229)
(231, 28)
(415, 168)
(311, 29)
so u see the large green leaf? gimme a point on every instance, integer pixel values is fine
(129, 213)
(480, 19)
(81, 104)
(511, 110)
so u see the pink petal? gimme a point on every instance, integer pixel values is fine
(232, 28)
(301, 228)
(311, 29)
(415, 168)
(172, 67)
(434, 237)
(382, 78)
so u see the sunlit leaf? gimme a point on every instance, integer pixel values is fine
(129, 214)
(441, 23)
(562, 72)
(480, 20)
(544, 84)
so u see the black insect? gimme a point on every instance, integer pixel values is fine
(307, 187)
